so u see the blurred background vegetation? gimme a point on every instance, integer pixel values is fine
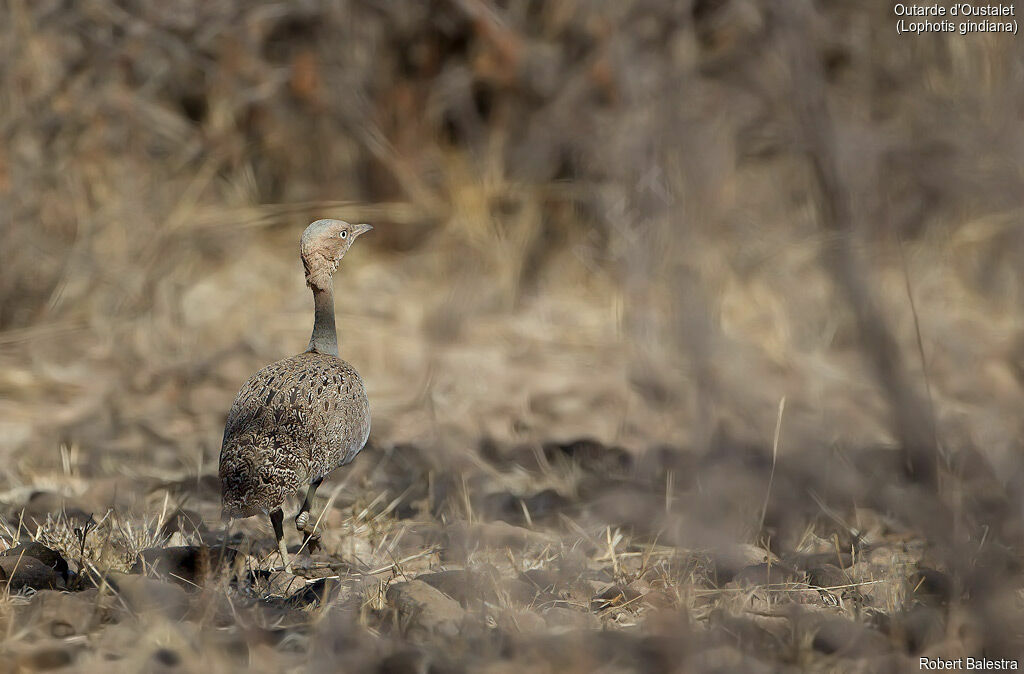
(644, 222)
(679, 203)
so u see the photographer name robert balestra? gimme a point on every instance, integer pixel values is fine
(972, 664)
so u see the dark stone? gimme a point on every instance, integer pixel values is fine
(590, 454)
(931, 586)
(315, 593)
(615, 595)
(546, 505)
(19, 573)
(277, 584)
(827, 575)
(47, 556)
(492, 452)
(189, 565)
(166, 657)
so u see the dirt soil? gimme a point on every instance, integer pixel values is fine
(693, 334)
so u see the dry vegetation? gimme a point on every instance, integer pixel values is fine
(692, 332)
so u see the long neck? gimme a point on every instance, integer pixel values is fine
(324, 338)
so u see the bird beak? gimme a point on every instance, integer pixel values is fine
(361, 229)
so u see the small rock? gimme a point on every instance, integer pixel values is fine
(48, 556)
(276, 583)
(150, 595)
(189, 565)
(425, 607)
(524, 622)
(728, 561)
(562, 619)
(315, 593)
(18, 573)
(463, 585)
(931, 586)
(827, 575)
(615, 595)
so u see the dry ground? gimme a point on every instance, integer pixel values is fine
(692, 333)
(506, 563)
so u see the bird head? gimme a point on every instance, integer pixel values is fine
(323, 245)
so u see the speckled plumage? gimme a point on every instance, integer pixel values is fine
(293, 422)
(298, 419)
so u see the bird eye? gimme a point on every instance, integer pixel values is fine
(343, 234)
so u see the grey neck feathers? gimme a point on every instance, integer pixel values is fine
(325, 337)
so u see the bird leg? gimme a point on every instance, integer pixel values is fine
(309, 539)
(224, 543)
(277, 520)
(302, 519)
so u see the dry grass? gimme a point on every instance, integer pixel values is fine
(643, 224)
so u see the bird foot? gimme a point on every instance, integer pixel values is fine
(301, 520)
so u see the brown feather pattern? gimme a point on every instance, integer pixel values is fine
(293, 422)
